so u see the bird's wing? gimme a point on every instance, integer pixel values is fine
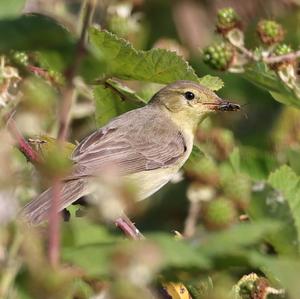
(139, 140)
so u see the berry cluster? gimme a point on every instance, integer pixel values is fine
(227, 20)
(219, 213)
(219, 56)
(20, 58)
(270, 32)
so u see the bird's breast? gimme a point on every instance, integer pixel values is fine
(150, 181)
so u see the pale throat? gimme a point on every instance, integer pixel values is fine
(188, 121)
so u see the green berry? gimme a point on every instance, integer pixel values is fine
(227, 20)
(282, 49)
(20, 57)
(219, 56)
(270, 32)
(219, 213)
(204, 170)
(237, 187)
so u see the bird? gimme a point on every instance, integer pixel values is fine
(149, 145)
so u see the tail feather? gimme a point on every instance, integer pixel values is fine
(38, 209)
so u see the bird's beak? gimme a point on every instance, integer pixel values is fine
(221, 105)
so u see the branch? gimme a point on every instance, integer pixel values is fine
(269, 59)
(67, 96)
(191, 220)
(54, 224)
(249, 54)
(285, 57)
(64, 121)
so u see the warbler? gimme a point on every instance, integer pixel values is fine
(148, 145)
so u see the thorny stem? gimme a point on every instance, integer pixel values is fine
(30, 154)
(269, 59)
(276, 59)
(64, 121)
(64, 111)
(54, 224)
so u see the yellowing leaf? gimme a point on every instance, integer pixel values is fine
(177, 290)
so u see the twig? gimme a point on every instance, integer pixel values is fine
(191, 220)
(64, 121)
(269, 59)
(39, 72)
(30, 154)
(64, 111)
(54, 224)
(276, 59)
(249, 54)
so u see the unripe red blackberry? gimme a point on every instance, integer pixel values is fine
(219, 56)
(270, 32)
(227, 20)
(219, 214)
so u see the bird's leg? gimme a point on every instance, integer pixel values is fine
(129, 229)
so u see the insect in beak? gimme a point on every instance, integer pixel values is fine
(223, 106)
(228, 106)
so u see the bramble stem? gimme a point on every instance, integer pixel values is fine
(64, 121)
(30, 154)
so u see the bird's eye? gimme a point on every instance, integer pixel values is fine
(189, 95)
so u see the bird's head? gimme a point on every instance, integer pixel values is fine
(189, 101)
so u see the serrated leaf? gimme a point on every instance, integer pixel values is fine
(11, 8)
(265, 205)
(211, 82)
(287, 182)
(156, 65)
(109, 104)
(260, 75)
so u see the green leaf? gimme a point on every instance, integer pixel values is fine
(284, 270)
(179, 253)
(260, 75)
(126, 92)
(109, 104)
(11, 8)
(256, 163)
(34, 32)
(87, 245)
(84, 232)
(266, 205)
(94, 259)
(287, 182)
(238, 237)
(156, 65)
(211, 82)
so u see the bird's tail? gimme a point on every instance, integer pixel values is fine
(38, 209)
